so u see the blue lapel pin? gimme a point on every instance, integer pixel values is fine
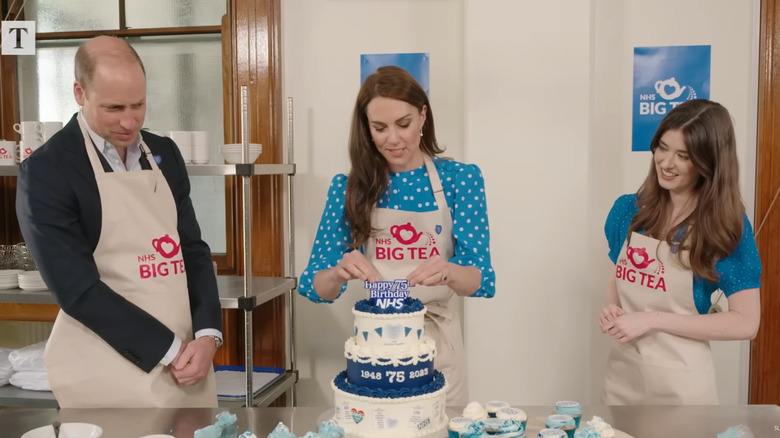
(157, 159)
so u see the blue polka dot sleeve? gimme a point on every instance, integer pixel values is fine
(618, 221)
(464, 189)
(742, 269)
(331, 240)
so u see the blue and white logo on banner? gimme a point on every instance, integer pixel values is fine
(665, 77)
(417, 64)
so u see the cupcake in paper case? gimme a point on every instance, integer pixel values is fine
(562, 422)
(570, 408)
(473, 430)
(551, 433)
(504, 428)
(281, 431)
(513, 414)
(329, 429)
(475, 411)
(457, 425)
(494, 406)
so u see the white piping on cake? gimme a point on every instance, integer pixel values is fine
(423, 351)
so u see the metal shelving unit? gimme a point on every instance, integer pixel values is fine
(235, 292)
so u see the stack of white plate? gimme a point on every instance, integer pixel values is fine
(31, 280)
(9, 278)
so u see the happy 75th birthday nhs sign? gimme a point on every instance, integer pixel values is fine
(665, 77)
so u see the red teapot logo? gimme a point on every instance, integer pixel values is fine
(405, 234)
(166, 246)
(3, 151)
(641, 252)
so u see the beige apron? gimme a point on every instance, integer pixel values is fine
(405, 240)
(138, 257)
(657, 368)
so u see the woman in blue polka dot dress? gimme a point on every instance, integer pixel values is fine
(404, 214)
(674, 243)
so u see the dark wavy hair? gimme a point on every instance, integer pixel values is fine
(714, 227)
(368, 177)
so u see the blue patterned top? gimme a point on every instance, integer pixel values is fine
(464, 190)
(739, 271)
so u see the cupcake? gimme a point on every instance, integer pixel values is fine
(570, 408)
(562, 422)
(494, 406)
(247, 434)
(601, 427)
(281, 431)
(473, 430)
(457, 425)
(513, 414)
(475, 411)
(587, 431)
(504, 428)
(329, 429)
(551, 433)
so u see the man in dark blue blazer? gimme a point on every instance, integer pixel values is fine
(62, 196)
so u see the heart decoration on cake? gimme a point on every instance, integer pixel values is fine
(357, 416)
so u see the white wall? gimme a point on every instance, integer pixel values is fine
(538, 94)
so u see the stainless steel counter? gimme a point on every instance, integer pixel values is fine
(638, 421)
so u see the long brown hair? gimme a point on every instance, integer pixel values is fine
(714, 227)
(369, 174)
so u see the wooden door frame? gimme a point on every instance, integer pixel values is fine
(764, 387)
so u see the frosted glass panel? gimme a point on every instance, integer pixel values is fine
(72, 15)
(174, 13)
(46, 82)
(184, 93)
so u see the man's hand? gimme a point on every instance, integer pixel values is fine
(195, 358)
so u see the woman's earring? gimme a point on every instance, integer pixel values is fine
(421, 132)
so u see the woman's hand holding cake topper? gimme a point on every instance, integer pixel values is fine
(352, 266)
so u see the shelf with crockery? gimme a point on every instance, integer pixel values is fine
(231, 292)
(11, 396)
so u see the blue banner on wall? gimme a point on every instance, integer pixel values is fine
(665, 77)
(417, 64)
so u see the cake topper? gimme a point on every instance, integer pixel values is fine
(387, 294)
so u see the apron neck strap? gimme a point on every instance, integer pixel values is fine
(97, 167)
(433, 176)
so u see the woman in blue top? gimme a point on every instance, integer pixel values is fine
(681, 237)
(404, 214)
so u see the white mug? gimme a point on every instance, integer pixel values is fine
(47, 129)
(7, 153)
(200, 147)
(28, 127)
(26, 148)
(183, 140)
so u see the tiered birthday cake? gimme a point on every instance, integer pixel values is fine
(390, 387)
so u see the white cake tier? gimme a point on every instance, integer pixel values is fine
(389, 331)
(423, 350)
(371, 417)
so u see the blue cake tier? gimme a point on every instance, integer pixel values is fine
(341, 381)
(410, 305)
(386, 375)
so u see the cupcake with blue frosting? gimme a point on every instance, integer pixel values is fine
(562, 422)
(570, 408)
(504, 428)
(551, 433)
(492, 407)
(281, 431)
(473, 430)
(329, 429)
(457, 425)
(513, 414)
(599, 426)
